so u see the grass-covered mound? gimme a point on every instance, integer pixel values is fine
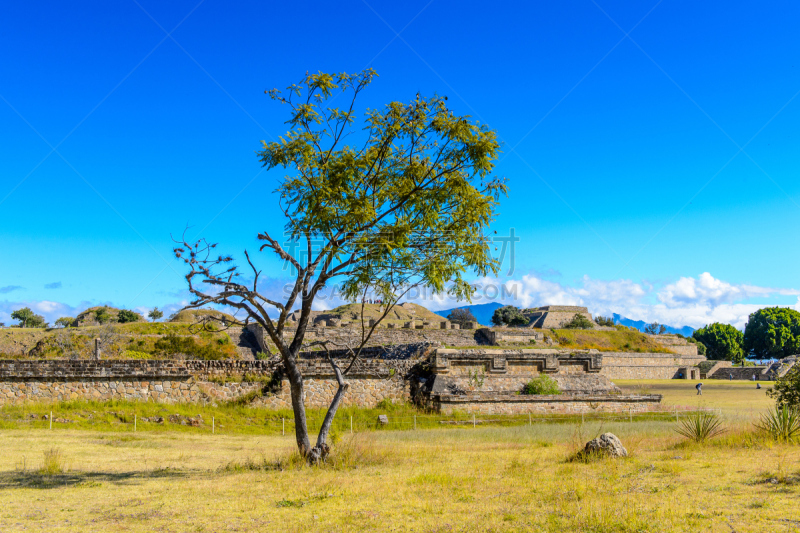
(199, 315)
(103, 314)
(621, 340)
(398, 315)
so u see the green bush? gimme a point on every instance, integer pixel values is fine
(542, 384)
(578, 322)
(102, 315)
(509, 316)
(786, 391)
(126, 315)
(173, 344)
(604, 321)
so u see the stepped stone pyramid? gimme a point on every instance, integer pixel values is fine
(555, 316)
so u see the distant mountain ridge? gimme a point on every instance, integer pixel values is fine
(484, 312)
(686, 331)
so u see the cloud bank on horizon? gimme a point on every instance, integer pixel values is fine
(689, 301)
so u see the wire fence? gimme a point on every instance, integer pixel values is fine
(216, 422)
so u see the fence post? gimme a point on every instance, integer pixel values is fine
(134, 422)
(630, 412)
(530, 420)
(213, 425)
(51, 419)
(473, 420)
(351, 424)
(283, 426)
(415, 422)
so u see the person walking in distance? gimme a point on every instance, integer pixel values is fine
(699, 388)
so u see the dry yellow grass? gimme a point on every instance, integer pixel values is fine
(484, 479)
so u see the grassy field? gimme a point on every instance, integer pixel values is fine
(456, 479)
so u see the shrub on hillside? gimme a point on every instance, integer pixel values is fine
(509, 316)
(578, 322)
(65, 321)
(126, 315)
(102, 315)
(604, 321)
(173, 344)
(542, 384)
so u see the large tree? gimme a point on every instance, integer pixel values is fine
(28, 319)
(772, 332)
(722, 341)
(408, 206)
(508, 315)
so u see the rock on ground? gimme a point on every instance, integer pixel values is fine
(606, 444)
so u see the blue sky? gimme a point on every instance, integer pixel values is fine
(651, 148)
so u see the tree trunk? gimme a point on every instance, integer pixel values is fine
(299, 409)
(321, 450)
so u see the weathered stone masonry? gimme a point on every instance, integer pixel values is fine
(481, 381)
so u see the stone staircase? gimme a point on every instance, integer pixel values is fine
(246, 343)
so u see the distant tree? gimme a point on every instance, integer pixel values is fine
(772, 332)
(509, 316)
(28, 319)
(126, 315)
(155, 314)
(604, 321)
(578, 322)
(65, 321)
(655, 329)
(459, 316)
(723, 342)
(102, 315)
(2, 324)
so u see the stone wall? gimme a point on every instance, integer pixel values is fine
(170, 381)
(625, 365)
(512, 404)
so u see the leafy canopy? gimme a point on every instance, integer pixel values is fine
(459, 316)
(722, 341)
(28, 319)
(126, 315)
(155, 314)
(786, 391)
(410, 203)
(509, 315)
(579, 322)
(772, 332)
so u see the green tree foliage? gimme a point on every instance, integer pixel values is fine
(604, 321)
(102, 315)
(786, 391)
(541, 384)
(126, 315)
(509, 315)
(65, 321)
(459, 316)
(155, 314)
(655, 329)
(173, 344)
(722, 341)
(772, 332)
(28, 319)
(372, 214)
(579, 322)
